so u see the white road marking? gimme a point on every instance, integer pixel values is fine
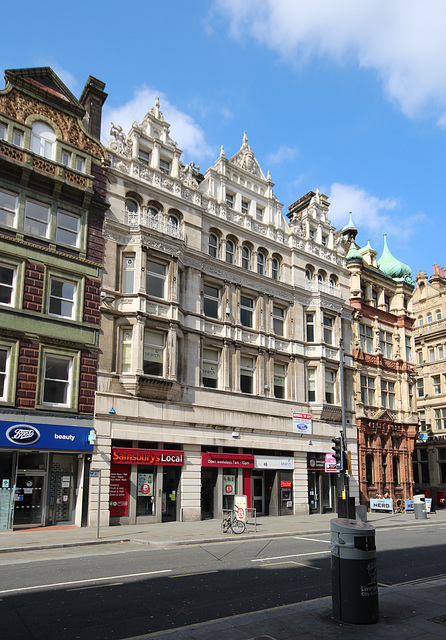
(66, 584)
(294, 555)
(311, 539)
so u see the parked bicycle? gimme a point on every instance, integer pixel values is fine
(232, 523)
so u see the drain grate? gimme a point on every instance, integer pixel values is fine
(439, 620)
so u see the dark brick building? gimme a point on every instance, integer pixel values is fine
(52, 205)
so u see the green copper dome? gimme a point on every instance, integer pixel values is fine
(368, 247)
(353, 253)
(392, 267)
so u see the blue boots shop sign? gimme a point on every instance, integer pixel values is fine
(45, 436)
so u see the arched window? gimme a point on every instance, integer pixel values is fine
(332, 282)
(230, 252)
(155, 218)
(438, 314)
(429, 318)
(131, 205)
(275, 269)
(321, 277)
(261, 261)
(173, 221)
(308, 274)
(213, 245)
(43, 140)
(246, 258)
(420, 321)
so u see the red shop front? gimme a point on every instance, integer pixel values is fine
(224, 475)
(144, 485)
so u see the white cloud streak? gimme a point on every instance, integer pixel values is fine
(372, 216)
(403, 41)
(184, 130)
(282, 154)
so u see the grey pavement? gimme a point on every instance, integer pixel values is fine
(408, 611)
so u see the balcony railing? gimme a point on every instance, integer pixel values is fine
(431, 327)
(154, 222)
(323, 287)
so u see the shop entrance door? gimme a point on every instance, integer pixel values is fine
(61, 500)
(313, 491)
(171, 496)
(258, 495)
(29, 500)
(208, 482)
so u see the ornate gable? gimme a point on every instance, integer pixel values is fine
(245, 159)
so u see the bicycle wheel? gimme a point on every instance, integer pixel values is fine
(238, 526)
(225, 525)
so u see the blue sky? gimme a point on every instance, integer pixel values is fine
(342, 95)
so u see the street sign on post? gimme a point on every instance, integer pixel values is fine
(96, 473)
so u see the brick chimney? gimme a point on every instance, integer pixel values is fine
(92, 99)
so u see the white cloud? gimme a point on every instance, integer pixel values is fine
(372, 216)
(184, 130)
(282, 154)
(401, 40)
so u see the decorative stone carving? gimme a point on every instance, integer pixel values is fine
(188, 173)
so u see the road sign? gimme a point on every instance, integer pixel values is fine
(94, 473)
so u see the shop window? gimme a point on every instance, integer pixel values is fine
(278, 320)
(210, 368)
(440, 419)
(62, 298)
(275, 269)
(310, 327)
(330, 378)
(246, 311)
(328, 329)
(388, 394)
(230, 252)
(279, 380)
(211, 301)
(420, 466)
(366, 338)
(146, 491)
(213, 245)
(156, 279)
(43, 140)
(311, 385)
(57, 380)
(126, 350)
(247, 368)
(128, 273)
(154, 347)
(368, 390)
(246, 258)
(7, 284)
(261, 261)
(8, 208)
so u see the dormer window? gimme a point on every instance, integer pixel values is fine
(43, 140)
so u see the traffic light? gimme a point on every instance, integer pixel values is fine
(338, 452)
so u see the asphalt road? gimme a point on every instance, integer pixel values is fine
(123, 590)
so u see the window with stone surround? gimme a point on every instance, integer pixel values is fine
(156, 275)
(43, 140)
(388, 394)
(59, 378)
(330, 379)
(246, 311)
(247, 370)
(279, 380)
(126, 350)
(440, 419)
(62, 297)
(8, 208)
(211, 362)
(211, 301)
(366, 338)
(311, 385)
(154, 353)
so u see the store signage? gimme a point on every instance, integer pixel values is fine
(381, 504)
(316, 461)
(241, 507)
(408, 505)
(236, 460)
(302, 423)
(228, 485)
(285, 484)
(122, 455)
(273, 462)
(119, 491)
(44, 436)
(330, 463)
(145, 484)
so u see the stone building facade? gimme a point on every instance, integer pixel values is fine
(52, 202)
(221, 321)
(381, 293)
(429, 459)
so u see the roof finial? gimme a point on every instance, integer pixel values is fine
(222, 151)
(157, 107)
